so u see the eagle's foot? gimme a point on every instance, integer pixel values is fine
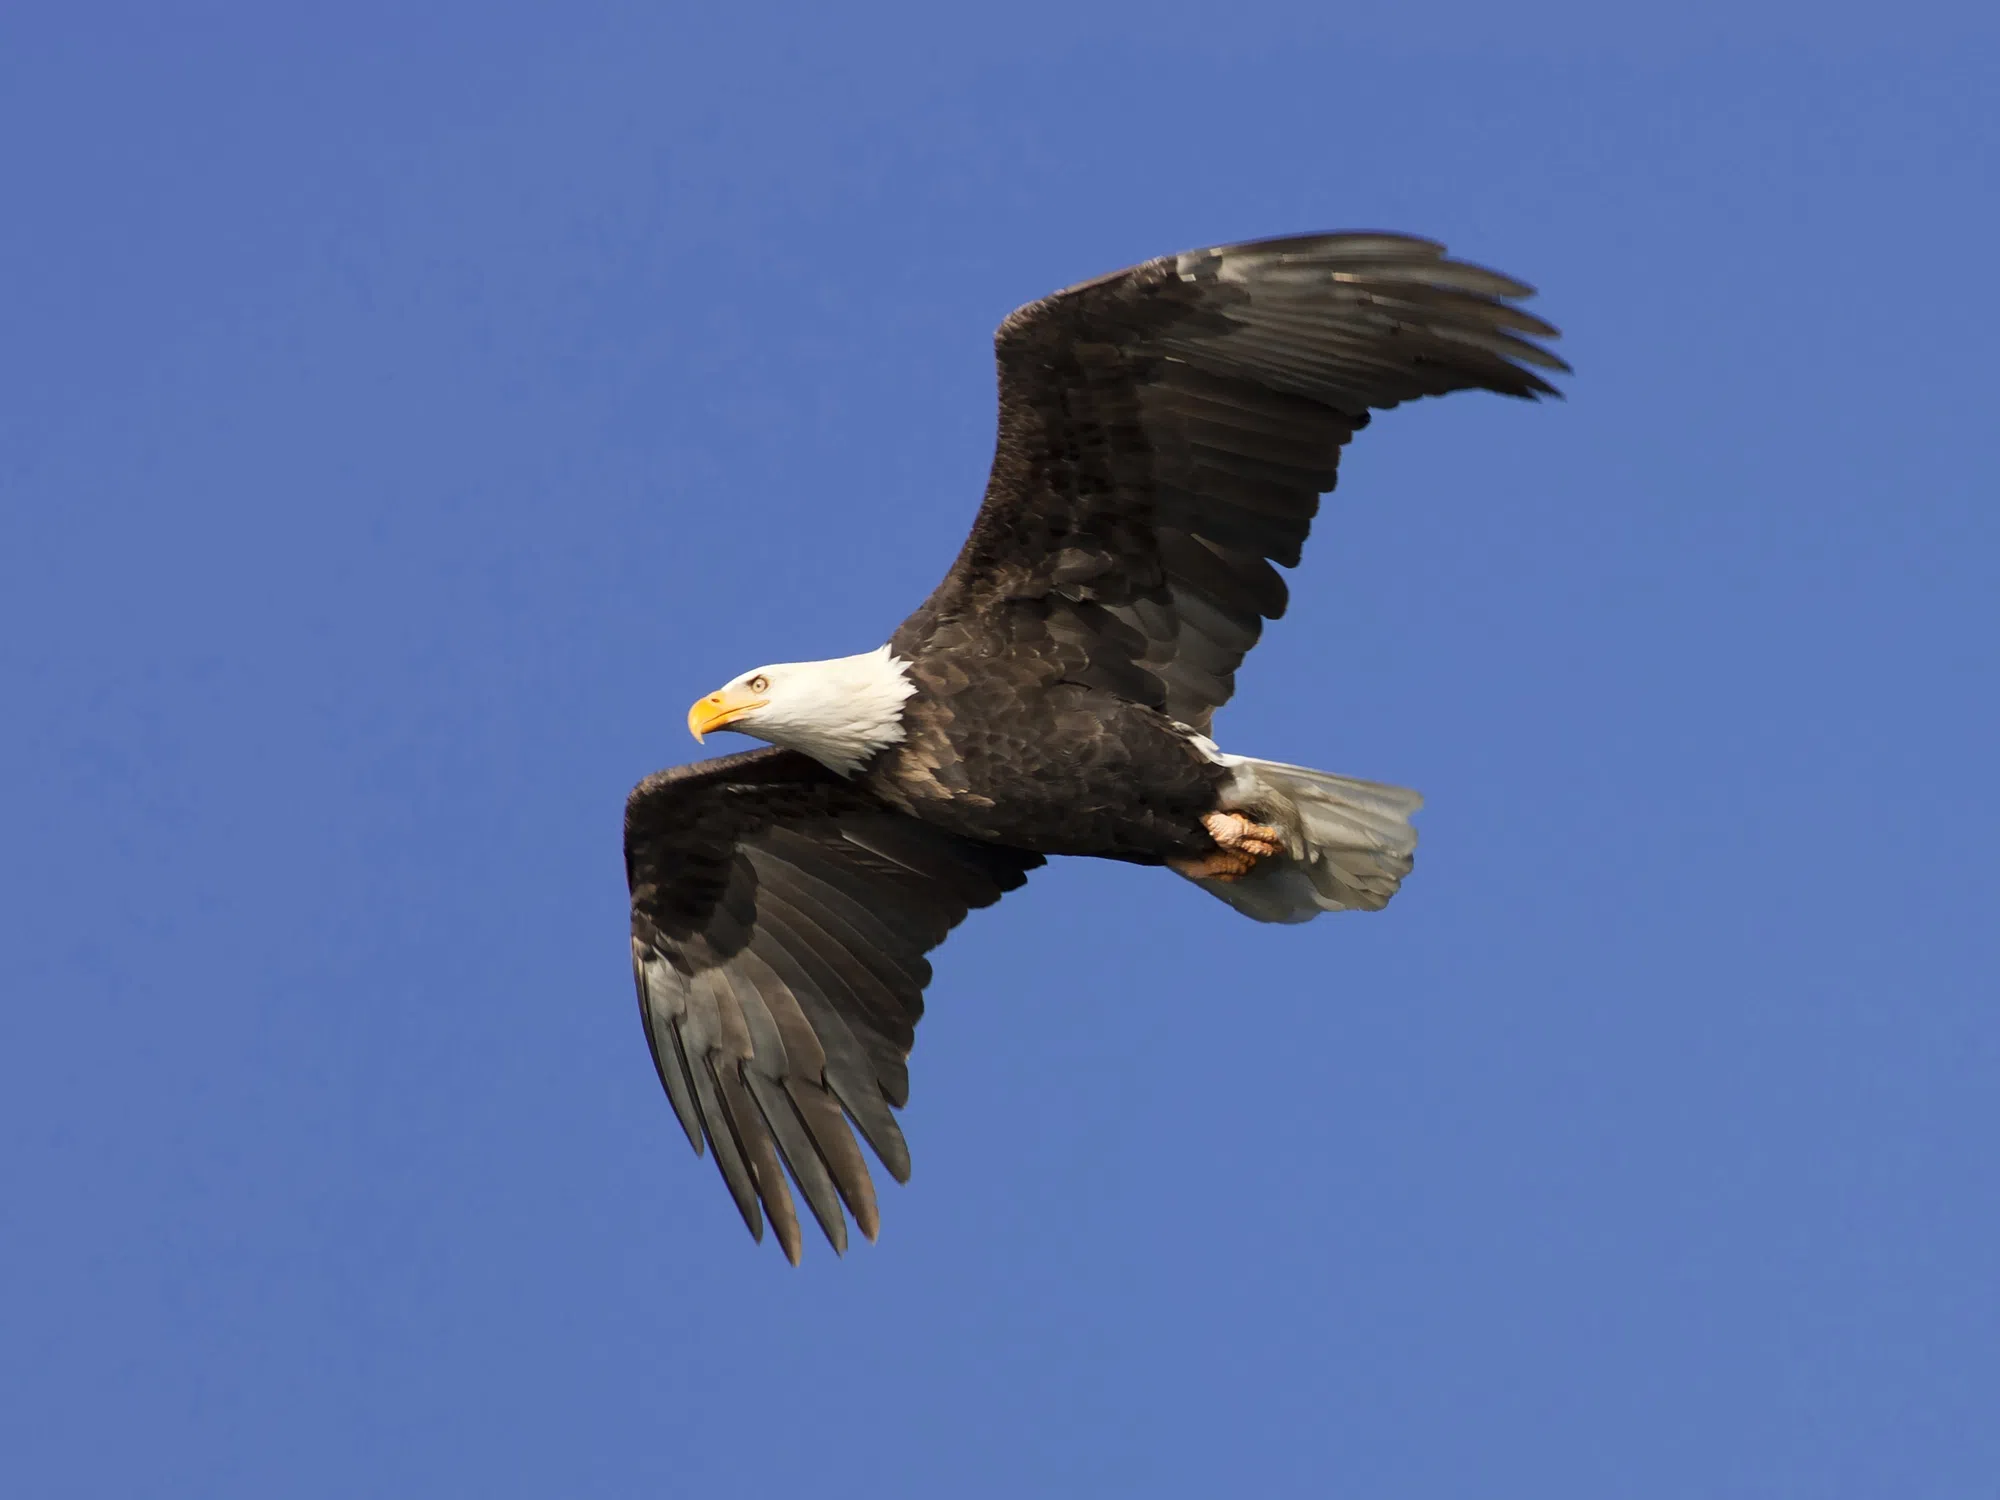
(1240, 844)
(1223, 864)
(1234, 831)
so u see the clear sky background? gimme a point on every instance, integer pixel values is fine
(406, 411)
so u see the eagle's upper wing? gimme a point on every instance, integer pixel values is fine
(780, 918)
(1166, 432)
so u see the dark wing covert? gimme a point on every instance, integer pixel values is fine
(780, 918)
(1166, 432)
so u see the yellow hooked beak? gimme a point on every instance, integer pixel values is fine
(720, 709)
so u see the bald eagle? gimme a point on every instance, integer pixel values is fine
(1165, 434)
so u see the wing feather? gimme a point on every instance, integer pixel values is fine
(852, 1065)
(801, 1158)
(658, 1014)
(882, 1035)
(717, 1123)
(785, 1047)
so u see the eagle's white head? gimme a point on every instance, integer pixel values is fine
(839, 712)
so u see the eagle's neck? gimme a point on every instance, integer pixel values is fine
(842, 711)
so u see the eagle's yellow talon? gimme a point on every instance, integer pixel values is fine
(1236, 832)
(1223, 864)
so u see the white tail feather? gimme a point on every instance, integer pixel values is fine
(1348, 843)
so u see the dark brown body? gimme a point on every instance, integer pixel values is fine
(1008, 746)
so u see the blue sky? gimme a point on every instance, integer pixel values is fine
(404, 418)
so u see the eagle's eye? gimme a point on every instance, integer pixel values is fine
(759, 684)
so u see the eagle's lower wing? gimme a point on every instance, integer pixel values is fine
(780, 918)
(1166, 432)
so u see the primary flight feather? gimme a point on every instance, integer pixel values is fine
(1165, 435)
